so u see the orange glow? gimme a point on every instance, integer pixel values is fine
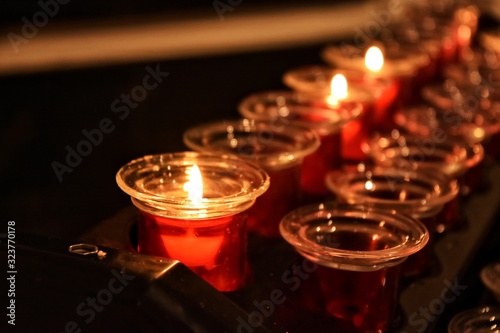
(374, 59)
(464, 34)
(338, 89)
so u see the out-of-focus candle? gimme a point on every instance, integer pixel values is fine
(326, 120)
(359, 252)
(277, 148)
(420, 193)
(339, 85)
(356, 131)
(400, 64)
(192, 208)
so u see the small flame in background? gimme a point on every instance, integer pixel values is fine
(338, 89)
(194, 185)
(374, 59)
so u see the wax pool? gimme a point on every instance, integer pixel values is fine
(215, 248)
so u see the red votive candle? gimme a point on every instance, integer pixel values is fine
(420, 193)
(450, 156)
(318, 114)
(445, 134)
(192, 208)
(358, 252)
(277, 148)
(375, 94)
(403, 66)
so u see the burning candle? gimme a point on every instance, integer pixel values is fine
(358, 252)
(325, 119)
(475, 109)
(192, 208)
(339, 86)
(401, 65)
(421, 194)
(278, 148)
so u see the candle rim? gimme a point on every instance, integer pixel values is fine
(253, 182)
(305, 141)
(292, 229)
(444, 187)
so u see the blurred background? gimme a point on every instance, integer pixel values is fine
(66, 66)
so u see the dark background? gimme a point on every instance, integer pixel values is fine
(42, 113)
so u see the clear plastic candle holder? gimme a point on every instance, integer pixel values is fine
(192, 208)
(376, 94)
(322, 116)
(277, 148)
(484, 319)
(421, 194)
(359, 252)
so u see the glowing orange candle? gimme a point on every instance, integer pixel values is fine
(192, 208)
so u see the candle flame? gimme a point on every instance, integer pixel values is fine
(194, 185)
(374, 59)
(338, 89)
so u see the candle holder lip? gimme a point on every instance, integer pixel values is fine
(416, 192)
(475, 107)
(301, 109)
(269, 144)
(312, 231)
(398, 62)
(316, 80)
(452, 155)
(155, 183)
(451, 94)
(427, 121)
(477, 319)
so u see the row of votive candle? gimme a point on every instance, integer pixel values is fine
(354, 167)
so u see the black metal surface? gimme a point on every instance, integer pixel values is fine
(112, 291)
(282, 291)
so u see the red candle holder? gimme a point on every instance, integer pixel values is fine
(421, 194)
(484, 319)
(475, 109)
(377, 95)
(319, 115)
(402, 65)
(204, 226)
(454, 157)
(358, 252)
(278, 149)
(427, 124)
(479, 67)
(425, 34)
